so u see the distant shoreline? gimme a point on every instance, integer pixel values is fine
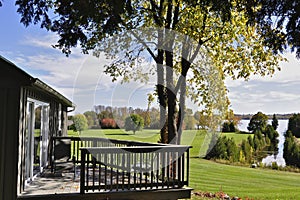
(278, 116)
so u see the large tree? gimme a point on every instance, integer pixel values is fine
(278, 20)
(194, 45)
(258, 122)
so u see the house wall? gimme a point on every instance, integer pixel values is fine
(10, 81)
(9, 137)
(54, 129)
(15, 87)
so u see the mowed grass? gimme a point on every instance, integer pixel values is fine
(209, 176)
(242, 181)
(237, 137)
(147, 135)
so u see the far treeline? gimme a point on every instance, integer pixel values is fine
(262, 141)
(279, 116)
(108, 117)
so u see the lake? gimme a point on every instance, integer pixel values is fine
(282, 127)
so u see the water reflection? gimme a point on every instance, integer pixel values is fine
(282, 127)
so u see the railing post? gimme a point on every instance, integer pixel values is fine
(52, 146)
(82, 171)
(187, 166)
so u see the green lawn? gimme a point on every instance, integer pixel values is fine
(212, 177)
(143, 136)
(237, 137)
(243, 181)
(194, 138)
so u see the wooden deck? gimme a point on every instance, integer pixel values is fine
(139, 171)
(65, 187)
(49, 183)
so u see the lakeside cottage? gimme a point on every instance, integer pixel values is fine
(33, 120)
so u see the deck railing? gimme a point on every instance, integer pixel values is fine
(78, 142)
(134, 168)
(115, 165)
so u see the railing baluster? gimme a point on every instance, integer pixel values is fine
(111, 171)
(87, 168)
(123, 170)
(157, 168)
(179, 169)
(78, 152)
(117, 164)
(169, 161)
(173, 169)
(141, 168)
(99, 171)
(151, 169)
(134, 170)
(82, 173)
(105, 171)
(183, 167)
(94, 172)
(163, 168)
(187, 166)
(146, 170)
(129, 169)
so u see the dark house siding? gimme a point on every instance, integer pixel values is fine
(16, 86)
(9, 137)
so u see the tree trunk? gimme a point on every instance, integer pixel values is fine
(181, 113)
(161, 90)
(185, 65)
(171, 99)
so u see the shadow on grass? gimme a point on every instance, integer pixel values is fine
(118, 134)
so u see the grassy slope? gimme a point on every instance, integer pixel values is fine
(243, 182)
(210, 176)
(240, 181)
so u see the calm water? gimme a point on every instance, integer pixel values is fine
(282, 127)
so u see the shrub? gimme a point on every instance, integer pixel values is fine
(108, 123)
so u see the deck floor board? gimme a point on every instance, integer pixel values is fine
(48, 183)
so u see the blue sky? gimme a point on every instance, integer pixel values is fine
(81, 78)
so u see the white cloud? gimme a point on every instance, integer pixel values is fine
(45, 41)
(75, 76)
(80, 77)
(277, 94)
(270, 97)
(290, 70)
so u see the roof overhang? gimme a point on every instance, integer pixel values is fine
(36, 83)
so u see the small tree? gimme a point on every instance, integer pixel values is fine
(189, 120)
(294, 125)
(134, 123)
(275, 122)
(250, 141)
(202, 119)
(80, 123)
(228, 127)
(91, 117)
(291, 151)
(225, 127)
(247, 152)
